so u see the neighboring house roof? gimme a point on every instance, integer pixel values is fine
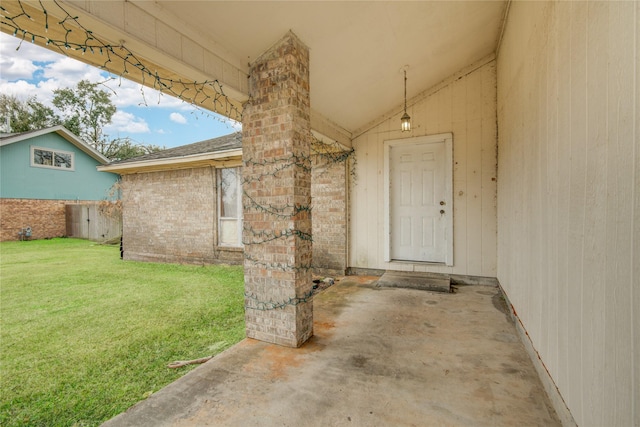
(6, 139)
(222, 151)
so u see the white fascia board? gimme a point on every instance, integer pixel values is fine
(173, 161)
(63, 132)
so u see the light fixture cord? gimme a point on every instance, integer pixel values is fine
(405, 91)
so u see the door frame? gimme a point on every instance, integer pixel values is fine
(447, 138)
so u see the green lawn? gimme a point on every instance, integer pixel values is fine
(85, 335)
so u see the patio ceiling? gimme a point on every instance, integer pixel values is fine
(357, 49)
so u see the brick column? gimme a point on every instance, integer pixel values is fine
(276, 179)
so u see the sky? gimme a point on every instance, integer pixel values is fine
(154, 118)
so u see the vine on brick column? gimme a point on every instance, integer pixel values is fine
(330, 154)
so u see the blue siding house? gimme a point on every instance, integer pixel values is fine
(41, 172)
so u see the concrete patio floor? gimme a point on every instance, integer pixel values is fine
(379, 357)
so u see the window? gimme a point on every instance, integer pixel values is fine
(230, 207)
(49, 158)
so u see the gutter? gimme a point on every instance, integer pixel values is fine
(219, 157)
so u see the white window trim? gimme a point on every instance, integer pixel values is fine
(240, 219)
(52, 150)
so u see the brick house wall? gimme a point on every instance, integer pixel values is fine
(171, 216)
(329, 216)
(50, 218)
(45, 217)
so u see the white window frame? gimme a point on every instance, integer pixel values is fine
(53, 152)
(240, 218)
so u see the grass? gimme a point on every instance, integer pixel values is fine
(85, 335)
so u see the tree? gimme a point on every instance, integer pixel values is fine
(124, 148)
(85, 111)
(23, 116)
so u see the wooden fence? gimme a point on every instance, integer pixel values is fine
(87, 221)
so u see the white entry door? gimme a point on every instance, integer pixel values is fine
(420, 211)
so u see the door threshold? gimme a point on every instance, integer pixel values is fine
(415, 280)
(404, 261)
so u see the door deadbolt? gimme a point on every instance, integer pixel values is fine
(442, 203)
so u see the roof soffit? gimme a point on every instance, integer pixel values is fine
(357, 49)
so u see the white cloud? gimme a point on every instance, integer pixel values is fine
(129, 94)
(67, 72)
(54, 71)
(178, 118)
(27, 51)
(36, 71)
(16, 68)
(20, 89)
(235, 125)
(127, 122)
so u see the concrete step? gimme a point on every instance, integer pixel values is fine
(412, 280)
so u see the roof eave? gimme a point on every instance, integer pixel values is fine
(226, 158)
(63, 132)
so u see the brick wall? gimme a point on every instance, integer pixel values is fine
(159, 223)
(329, 201)
(45, 217)
(276, 138)
(170, 216)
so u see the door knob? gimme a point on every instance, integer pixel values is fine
(441, 211)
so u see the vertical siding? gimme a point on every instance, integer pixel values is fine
(90, 221)
(568, 181)
(464, 105)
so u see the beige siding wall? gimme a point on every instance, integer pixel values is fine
(465, 105)
(569, 200)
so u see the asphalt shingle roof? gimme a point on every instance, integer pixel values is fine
(223, 143)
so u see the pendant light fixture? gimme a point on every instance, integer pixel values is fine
(405, 120)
